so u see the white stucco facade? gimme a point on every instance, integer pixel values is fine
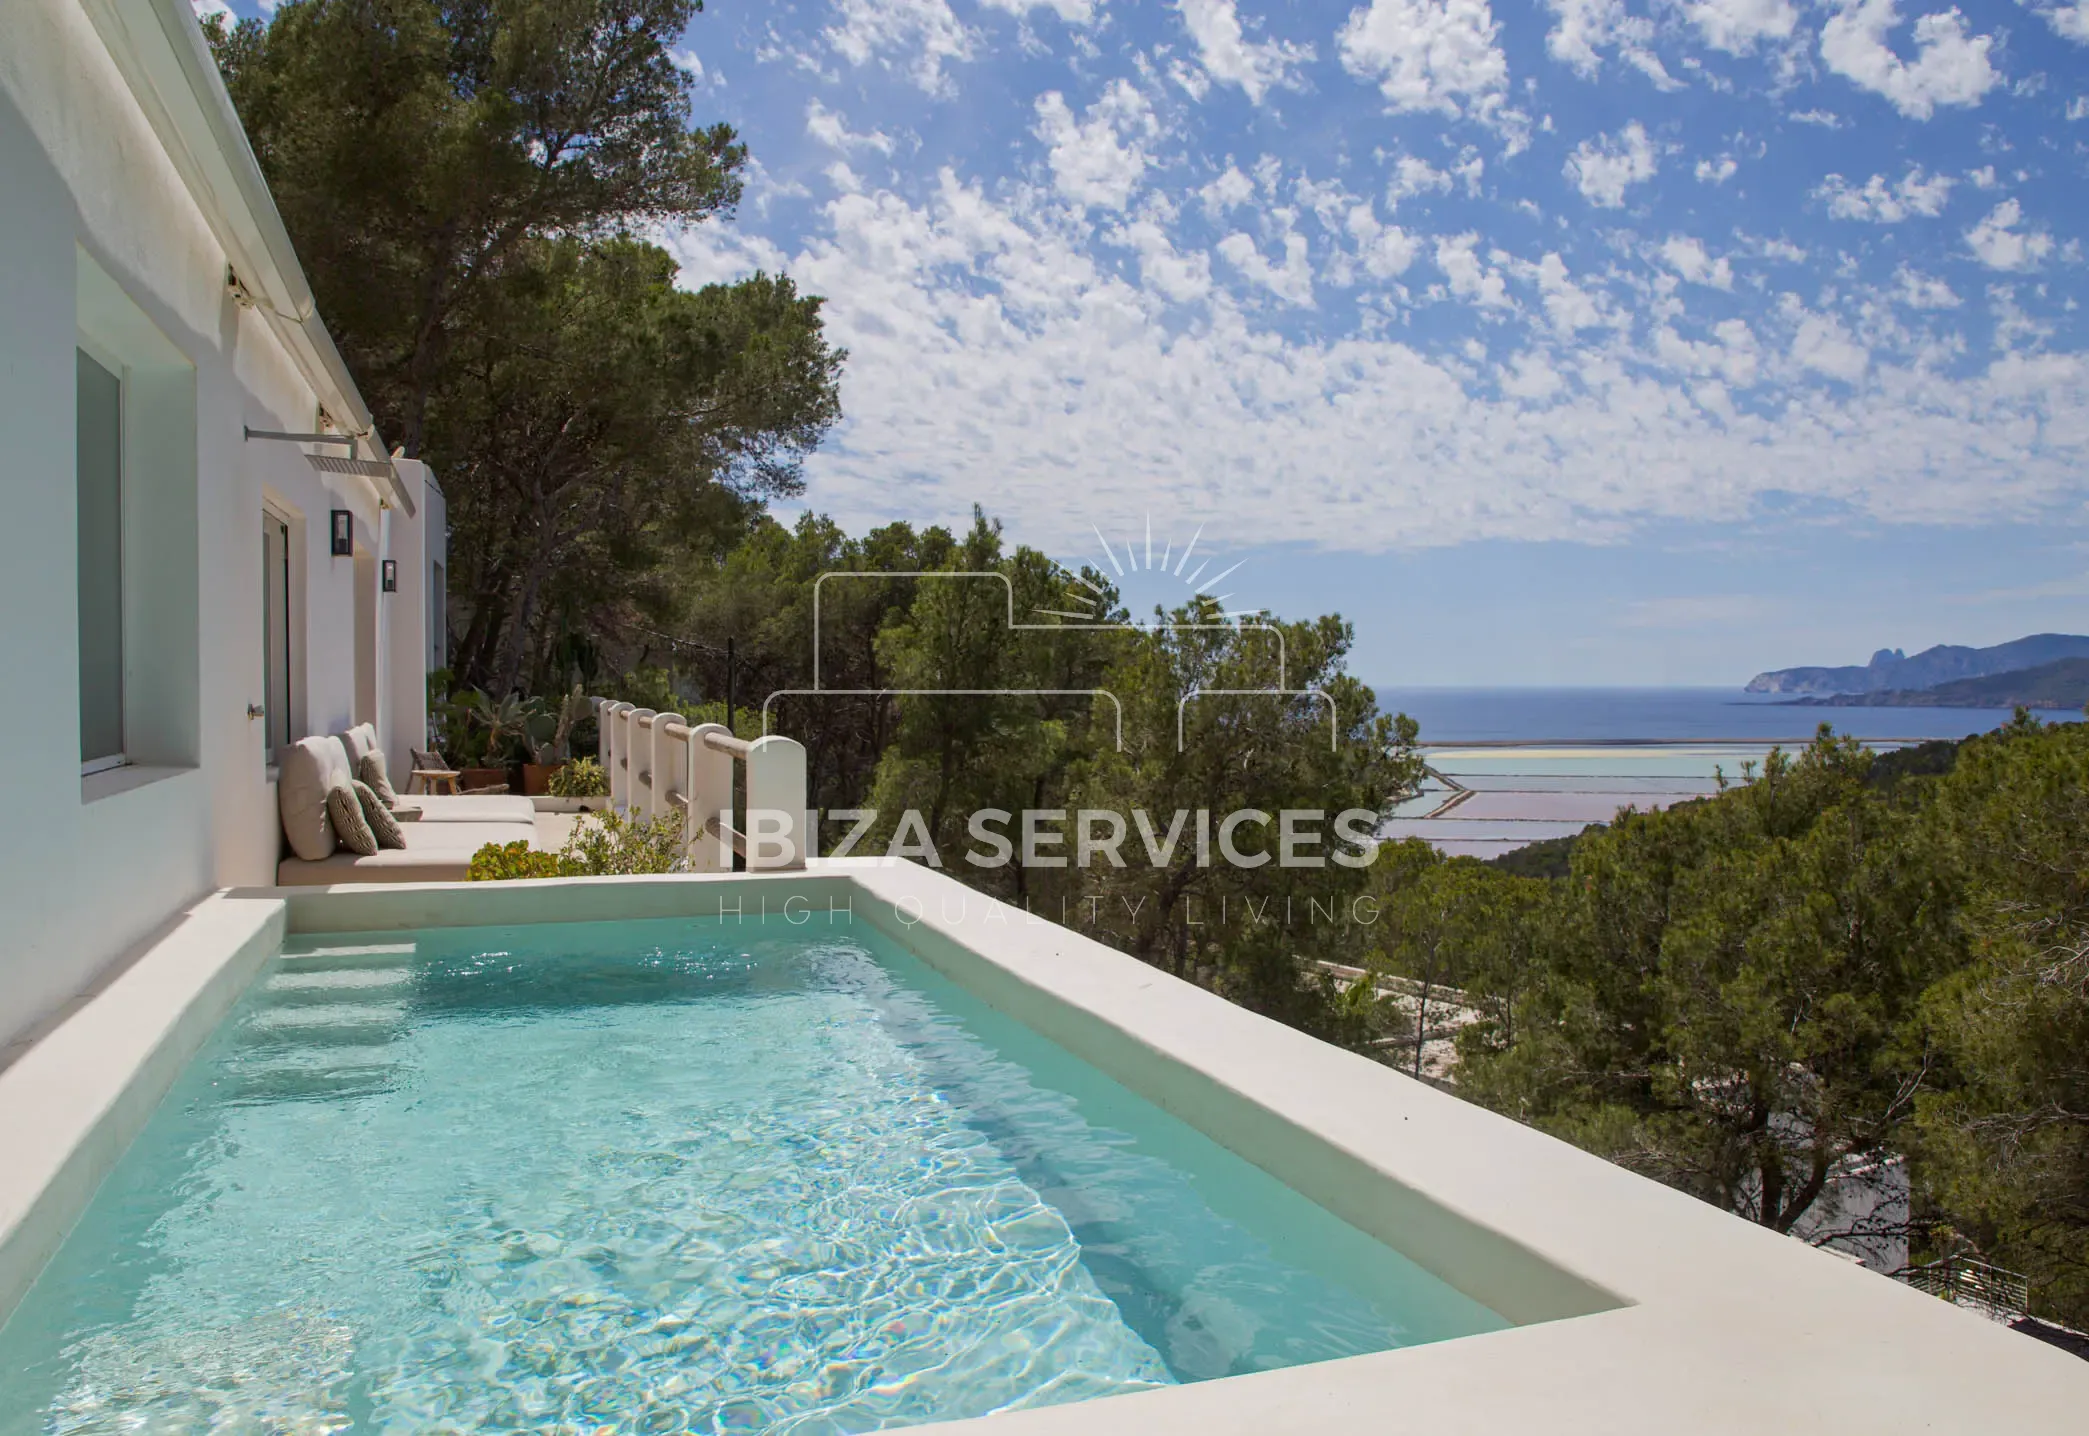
(128, 194)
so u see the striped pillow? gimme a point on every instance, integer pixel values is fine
(383, 825)
(345, 810)
(371, 770)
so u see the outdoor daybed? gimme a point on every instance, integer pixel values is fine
(439, 833)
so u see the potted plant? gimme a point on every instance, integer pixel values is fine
(496, 726)
(550, 737)
(579, 785)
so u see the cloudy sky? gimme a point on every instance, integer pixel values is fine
(1584, 340)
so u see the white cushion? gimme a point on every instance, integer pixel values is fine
(357, 741)
(304, 774)
(475, 808)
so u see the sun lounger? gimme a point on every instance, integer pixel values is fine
(439, 842)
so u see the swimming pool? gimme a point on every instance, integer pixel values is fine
(657, 1175)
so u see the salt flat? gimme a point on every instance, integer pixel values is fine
(1484, 801)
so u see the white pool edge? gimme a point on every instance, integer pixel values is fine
(1651, 1311)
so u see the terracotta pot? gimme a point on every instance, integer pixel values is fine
(484, 778)
(536, 778)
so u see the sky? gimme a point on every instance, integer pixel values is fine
(1584, 341)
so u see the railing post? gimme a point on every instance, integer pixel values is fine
(710, 801)
(776, 823)
(638, 760)
(671, 765)
(616, 731)
(661, 760)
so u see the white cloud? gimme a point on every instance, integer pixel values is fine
(1570, 307)
(1385, 250)
(1881, 203)
(1291, 281)
(1737, 26)
(1413, 175)
(1605, 167)
(1230, 58)
(1687, 257)
(994, 359)
(205, 9)
(1098, 161)
(1469, 278)
(1922, 291)
(1823, 344)
(2078, 108)
(1716, 172)
(831, 128)
(1997, 242)
(2014, 329)
(1073, 12)
(1229, 191)
(2069, 21)
(919, 36)
(1825, 119)
(1983, 178)
(1950, 67)
(1180, 278)
(1427, 54)
(1584, 29)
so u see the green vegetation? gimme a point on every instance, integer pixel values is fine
(1546, 858)
(581, 778)
(464, 180)
(1848, 959)
(601, 845)
(510, 862)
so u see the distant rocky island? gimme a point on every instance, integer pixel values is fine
(2049, 686)
(1897, 680)
(2044, 670)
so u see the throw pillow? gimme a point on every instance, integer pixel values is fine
(372, 771)
(346, 812)
(379, 817)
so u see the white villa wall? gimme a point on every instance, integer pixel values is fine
(99, 230)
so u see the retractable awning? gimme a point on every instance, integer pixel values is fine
(382, 470)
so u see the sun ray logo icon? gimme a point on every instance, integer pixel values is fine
(1149, 579)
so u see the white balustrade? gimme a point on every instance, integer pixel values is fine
(659, 763)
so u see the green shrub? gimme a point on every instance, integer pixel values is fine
(505, 862)
(581, 778)
(601, 845)
(615, 844)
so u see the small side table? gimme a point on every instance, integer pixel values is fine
(435, 780)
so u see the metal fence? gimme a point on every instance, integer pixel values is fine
(1965, 1281)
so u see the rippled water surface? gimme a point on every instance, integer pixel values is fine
(666, 1176)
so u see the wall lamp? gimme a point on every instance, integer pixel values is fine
(391, 575)
(343, 531)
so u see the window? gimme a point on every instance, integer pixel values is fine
(438, 620)
(100, 481)
(275, 633)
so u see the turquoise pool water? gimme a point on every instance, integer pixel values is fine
(667, 1176)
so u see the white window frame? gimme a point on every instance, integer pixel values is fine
(101, 354)
(275, 512)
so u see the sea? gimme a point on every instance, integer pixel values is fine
(1512, 766)
(1664, 715)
